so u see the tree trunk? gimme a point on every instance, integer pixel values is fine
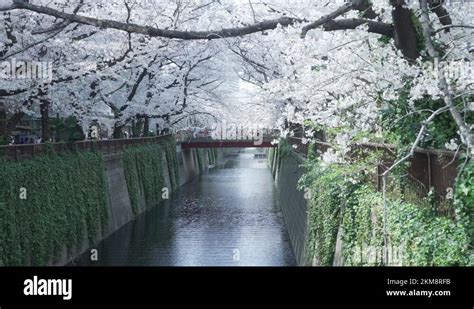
(406, 37)
(45, 129)
(118, 133)
(3, 126)
(146, 126)
(3, 121)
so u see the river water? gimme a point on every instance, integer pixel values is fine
(227, 217)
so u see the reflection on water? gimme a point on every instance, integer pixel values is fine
(227, 217)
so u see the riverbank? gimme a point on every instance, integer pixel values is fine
(227, 216)
(55, 207)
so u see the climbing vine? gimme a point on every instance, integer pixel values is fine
(204, 156)
(344, 199)
(416, 235)
(144, 174)
(330, 190)
(200, 159)
(284, 149)
(212, 155)
(172, 160)
(48, 204)
(464, 201)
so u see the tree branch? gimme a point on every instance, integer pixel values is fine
(437, 7)
(157, 32)
(464, 130)
(349, 6)
(419, 138)
(376, 27)
(352, 23)
(449, 27)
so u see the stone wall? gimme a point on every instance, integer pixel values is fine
(118, 200)
(287, 171)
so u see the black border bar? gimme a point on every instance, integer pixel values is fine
(252, 285)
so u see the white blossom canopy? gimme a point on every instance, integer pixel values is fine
(328, 63)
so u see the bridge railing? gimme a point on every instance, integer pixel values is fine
(111, 146)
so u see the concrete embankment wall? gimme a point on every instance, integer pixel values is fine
(287, 170)
(119, 203)
(56, 207)
(190, 166)
(191, 163)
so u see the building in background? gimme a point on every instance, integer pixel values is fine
(28, 130)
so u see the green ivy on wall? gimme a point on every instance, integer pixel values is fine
(48, 204)
(331, 189)
(464, 200)
(344, 196)
(416, 236)
(270, 157)
(204, 156)
(212, 155)
(172, 160)
(144, 172)
(199, 154)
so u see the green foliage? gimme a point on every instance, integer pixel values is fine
(200, 159)
(464, 199)
(420, 37)
(144, 174)
(385, 39)
(66, 129)
(362, 227)
(172, 161)
(323, 215)
(65, 206)
(212, 155)
(401, 125)
(330, 190)
(202, 154)
(416, 236)
(66, 200)
(343, 196)
(137, 127)
(214, 152)
(284, 149)
(270, 154)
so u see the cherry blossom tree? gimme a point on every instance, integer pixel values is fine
(335, 65)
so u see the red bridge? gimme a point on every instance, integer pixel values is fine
(266, 142)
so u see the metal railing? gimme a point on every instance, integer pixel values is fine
(429, 168)
(20, 152)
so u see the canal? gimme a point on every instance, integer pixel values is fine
(227, 217)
